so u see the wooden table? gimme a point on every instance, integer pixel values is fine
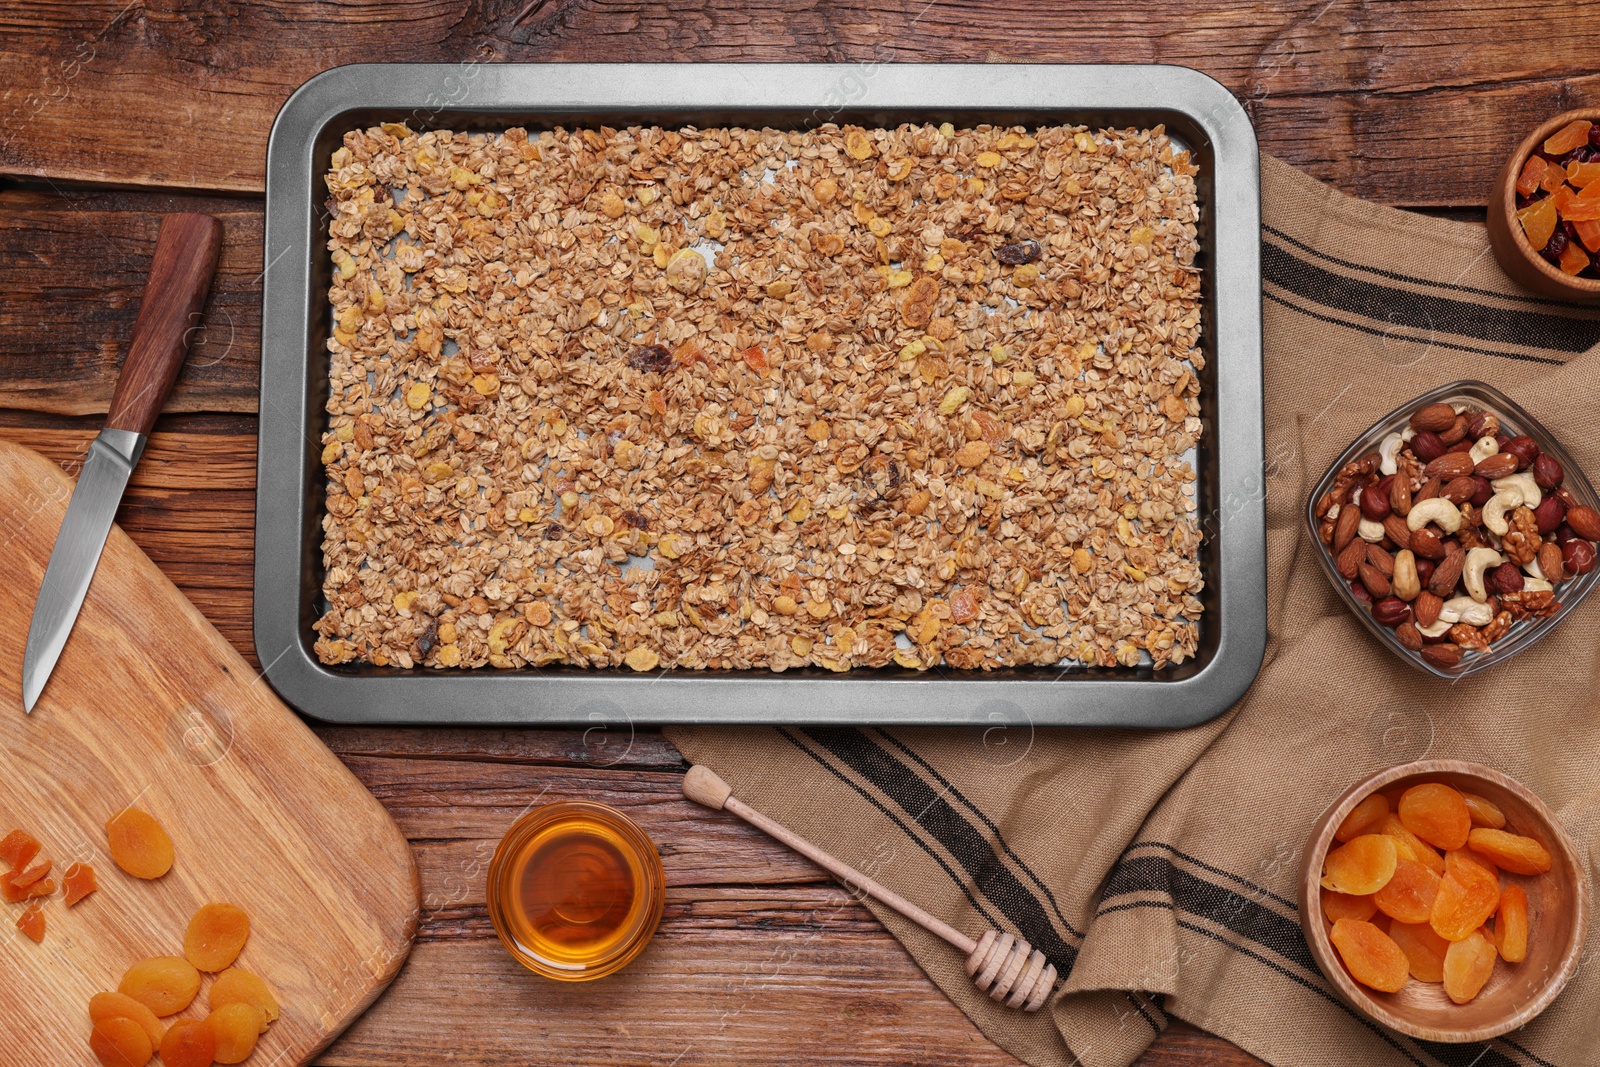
(114, 112)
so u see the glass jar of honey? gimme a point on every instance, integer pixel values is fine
(575, 890)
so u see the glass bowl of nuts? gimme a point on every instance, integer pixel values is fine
(1457, 529)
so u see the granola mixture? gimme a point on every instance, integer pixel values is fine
(733, 398)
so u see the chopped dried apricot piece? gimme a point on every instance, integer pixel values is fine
(190, 1043)
(164, 984)
(1484, 811)
(1576, 208)
(18, 848)
(235, 986)
(1532, 173)
(1579, 175)
(1568, 137)
(1469, 892)
(1365, 818)
(236, 1027)
(23, 879)
(1412, 846)
(120, 1042)
(1423, 947)
(1511, 924)
(1539, 221)
(1363, 865)
(15, 893)
(138, 844)
(1408, 896)
(1336, 906)
(111, 1005)
(1468, 963)
(1370, 955)
(1510, 852)
(215, 937)
(1437, 814)
(78, 882)
(31, 922)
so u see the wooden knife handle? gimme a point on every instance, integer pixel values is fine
(180, 275)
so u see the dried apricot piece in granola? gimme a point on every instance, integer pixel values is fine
(1468, 963)
(1408, 897)
(18, 848)
(1336, 906)
(1437, 814)
(1484, 811)
(111, 1005)
(120, 1042)
(190, 1043)
(1363, 865)
(1469, 892)
(916, 307)
(1365, 818)
(215, 937)
(1370, 955)
(138, 844)
(164, 984)
(236, 1027)
(1511, 924)
(235, 986)
(1510, 852)
(1423, 947)
(31, 922)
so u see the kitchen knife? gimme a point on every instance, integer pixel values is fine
(180, 274)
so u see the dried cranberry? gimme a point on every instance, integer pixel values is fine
(554, 531)
(1018, 253)
(650, 358)
(1594, 136)
(1557, 244)
(1481, 494)
(636, 520)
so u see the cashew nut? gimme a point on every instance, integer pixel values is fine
(1467, 610)
(1436, 510)
(1436, 628)
(1523, 480)
(1408, 433)
(1386, 453)
(1533, 570)
(1458, 408)
(1486, 447)
(1494, 512)
(1536, 585)
(1370, 531)
(1478, 561)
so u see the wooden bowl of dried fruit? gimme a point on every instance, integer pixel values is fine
(1544, 210)
(1443, 900)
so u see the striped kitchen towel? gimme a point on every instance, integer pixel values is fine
(1157, 870)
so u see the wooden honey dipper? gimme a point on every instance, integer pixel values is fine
(1002, 965)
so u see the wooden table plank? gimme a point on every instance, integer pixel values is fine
(1411, 101)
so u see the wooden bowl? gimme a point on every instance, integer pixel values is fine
(1516, 256)
(1558, 916)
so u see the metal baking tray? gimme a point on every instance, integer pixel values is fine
(1196, 110)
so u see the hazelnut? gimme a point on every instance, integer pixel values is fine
(1524, 448)
(1547, 473)
(1549, 514)
(1577, 556)
(1481, 492)
(1426, 446)
(1375, 504)
(1506, 578)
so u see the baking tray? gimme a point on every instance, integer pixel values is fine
(296, 321)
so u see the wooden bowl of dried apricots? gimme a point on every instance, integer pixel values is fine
(1443, 900)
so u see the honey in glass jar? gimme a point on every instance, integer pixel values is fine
(575, 890)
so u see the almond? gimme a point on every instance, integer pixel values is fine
(1445, 656)
(1397, 530)
(1550, 563)
(1459, 490)
(1435, 417)
(1448, 572)
(1455, 432)
(1427, 543)
(1376, 581)
(1427, 607)
(1350, 560)
(1585, 522)
(1450, 466)
(1499, 465)
(1349, 522)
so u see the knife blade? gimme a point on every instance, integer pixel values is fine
(180, 275)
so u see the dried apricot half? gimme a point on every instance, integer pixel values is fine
(120, 1042)
(1511, 924)
(110, 1005)
(1412, 846)
(1408, 896)
(1468, 963)
(1469, 892)
(78, 882)
(190, 1043)
(1336, 906)
(164, 984)
(31, 922)
(1363, 865)
(236, 1027)
(1371, 955)
(1484, 811)
(1510, 852)
(1423, 947)
(17, 849)
(1437, 814)
(1365, 818)
(138, 844)
(235, 986)
(216, 935)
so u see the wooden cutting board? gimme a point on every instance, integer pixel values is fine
(150, 707)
